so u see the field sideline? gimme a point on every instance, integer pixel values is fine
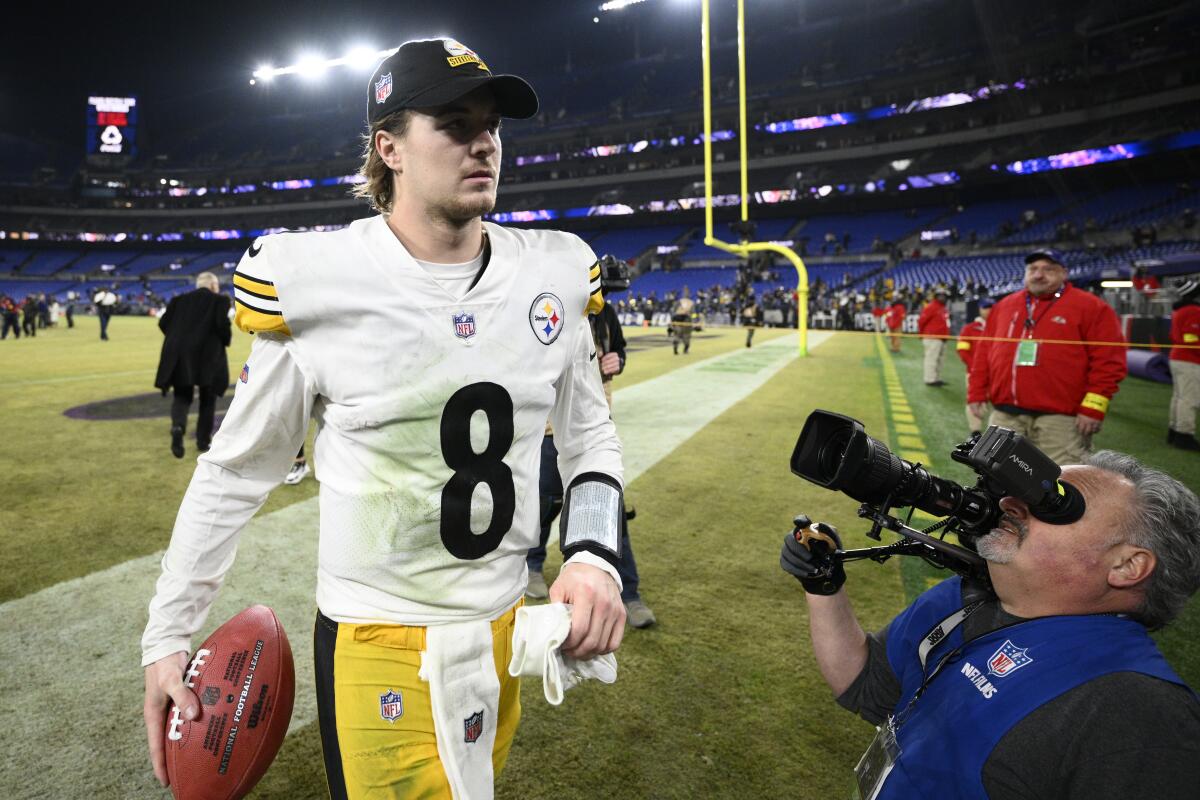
(721, 699)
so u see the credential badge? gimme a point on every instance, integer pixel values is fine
(391, 706)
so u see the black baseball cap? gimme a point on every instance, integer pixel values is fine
(1048, 254)
(432, 72)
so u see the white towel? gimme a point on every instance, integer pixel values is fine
(460, 669)
(537, 637)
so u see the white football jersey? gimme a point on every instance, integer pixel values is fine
(430, 415)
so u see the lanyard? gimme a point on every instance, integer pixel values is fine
(1030, 322)
(931, 640)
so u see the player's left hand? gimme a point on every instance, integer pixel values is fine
(1087, 425)
(597, 613)
(610, 364)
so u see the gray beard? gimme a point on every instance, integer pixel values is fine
(998, 547)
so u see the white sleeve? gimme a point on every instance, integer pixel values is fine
(583, 428)
(584, 433)
(251, 454)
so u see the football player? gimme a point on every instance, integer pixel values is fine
(431, 348)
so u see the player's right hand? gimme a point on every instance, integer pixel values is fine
(978, 410)
(164, 682)
(808, 554)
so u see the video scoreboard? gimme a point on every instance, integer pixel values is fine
(112, 127)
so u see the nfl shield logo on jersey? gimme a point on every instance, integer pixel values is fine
(473, 727)
(391, 706)
(464, 325)
(383, 88)
(546, 317)
(1008, 659)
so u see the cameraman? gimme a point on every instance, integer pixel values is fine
(1050, 687)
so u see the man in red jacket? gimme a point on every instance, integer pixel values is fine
(1185, 368)
(967, 347)
(1053, 378)
(895, 321)
(934, 327)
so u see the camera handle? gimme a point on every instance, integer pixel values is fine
(916, 543)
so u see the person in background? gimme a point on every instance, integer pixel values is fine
(934, 327)
(11, 316)
(197, 330)
(895, 322)
(105, 300)
(751, 318)
(29, 317)
(681, 322)
(1185, 368)
(1059, 361)
(966, 349)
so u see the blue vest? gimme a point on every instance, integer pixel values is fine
(993, 683)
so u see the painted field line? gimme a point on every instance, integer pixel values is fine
(75, 378)
(70, 685)
(908, 442)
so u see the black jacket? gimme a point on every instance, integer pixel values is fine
(606, 332)
(197, 328)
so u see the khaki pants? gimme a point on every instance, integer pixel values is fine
(974, 423)
(1053, 434)
(935, 354)
(1185, 396)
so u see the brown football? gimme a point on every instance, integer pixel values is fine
(246, 682)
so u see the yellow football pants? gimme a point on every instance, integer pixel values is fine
(375, 713)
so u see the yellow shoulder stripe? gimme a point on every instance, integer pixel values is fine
(595, 302)
(254, 286)
(252, 320)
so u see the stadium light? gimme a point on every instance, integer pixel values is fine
(311, 66)
(1116, 284)
(362, 58)
(617, 5)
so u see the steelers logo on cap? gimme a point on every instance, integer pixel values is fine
(461, 54)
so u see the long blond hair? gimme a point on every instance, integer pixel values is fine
(377, 187)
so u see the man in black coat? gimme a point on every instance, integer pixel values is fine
(197, 328)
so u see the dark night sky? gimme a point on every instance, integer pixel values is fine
(186, 61)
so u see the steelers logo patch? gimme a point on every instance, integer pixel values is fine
(546, 317)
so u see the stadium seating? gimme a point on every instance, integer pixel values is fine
(48, 262)
(630, 243)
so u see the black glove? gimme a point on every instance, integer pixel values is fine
(808, 554)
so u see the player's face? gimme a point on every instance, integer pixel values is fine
(1067, 564)
(450, 158)
(1044, 275)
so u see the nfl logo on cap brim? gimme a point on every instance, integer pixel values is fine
(383, 88)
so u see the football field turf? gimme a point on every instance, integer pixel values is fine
(720, 699)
